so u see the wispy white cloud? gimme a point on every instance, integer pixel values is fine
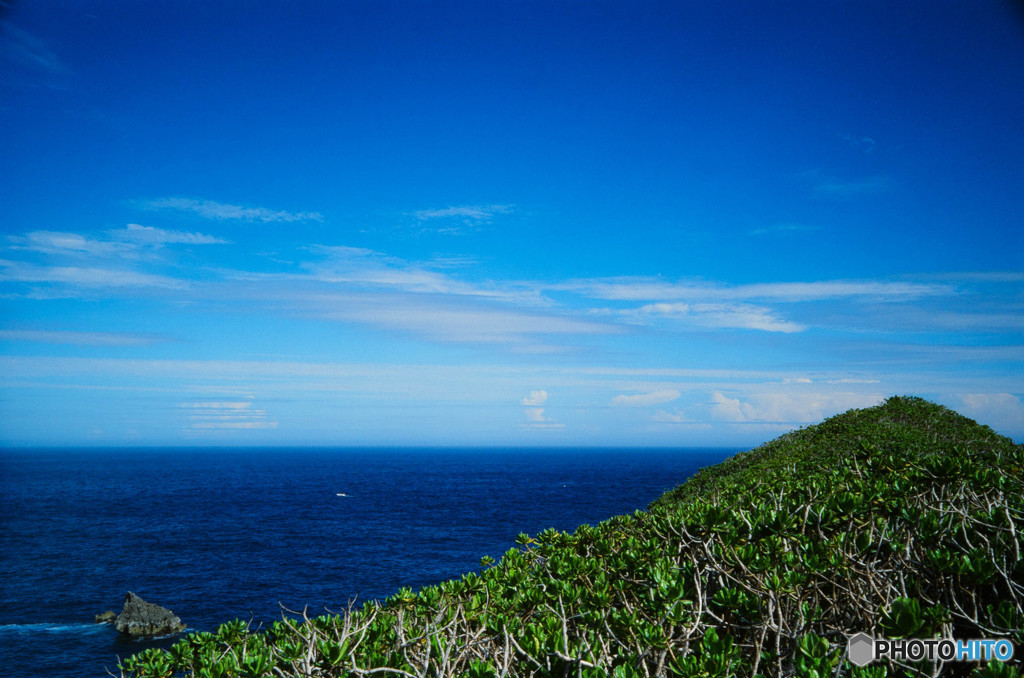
(848, 380)
(360, 266)
(220, 211)
(666, 417)
(227, 415)
(638, 288)
(84, 276)
(459, 219)
(442, 317)
(646, 399)
(117, 260)
(215, 408)
(873, 290)
(232, 425)
(365, 268)
(362, 286)
(472, 214)
(344, 284)
(61, 243)
(720, 316)
(753, 306)
(80, 338)
(120, 243)
(150, 235)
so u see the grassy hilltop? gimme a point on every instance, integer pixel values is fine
(902, 520)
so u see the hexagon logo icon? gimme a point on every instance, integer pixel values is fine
(861, 649)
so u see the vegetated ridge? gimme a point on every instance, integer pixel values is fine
(902, 521)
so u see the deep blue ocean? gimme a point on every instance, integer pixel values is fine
(218, 534)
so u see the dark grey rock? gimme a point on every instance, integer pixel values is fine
(141, 619)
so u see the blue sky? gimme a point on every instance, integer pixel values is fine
(504, 223)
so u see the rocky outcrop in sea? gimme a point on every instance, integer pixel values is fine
(140, 619)
(108, 617)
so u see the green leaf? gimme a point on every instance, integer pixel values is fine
(903, 619)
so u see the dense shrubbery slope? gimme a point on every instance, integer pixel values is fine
(903, 520)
